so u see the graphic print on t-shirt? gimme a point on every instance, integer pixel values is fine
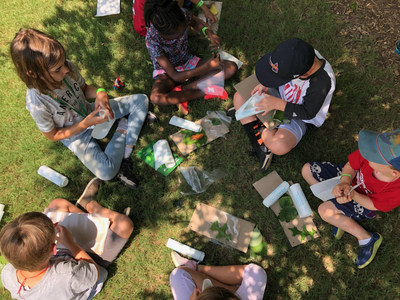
(292, 92)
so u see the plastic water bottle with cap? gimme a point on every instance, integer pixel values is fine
(53, 176)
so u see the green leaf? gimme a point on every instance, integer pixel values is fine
(303, 233)
(215, 121)
(287, 214)
(188, 140)
(285, 201)
(295, 231)
(221, 230)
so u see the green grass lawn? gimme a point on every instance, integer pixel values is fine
(366, 96)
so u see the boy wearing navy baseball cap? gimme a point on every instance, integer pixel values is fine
(297, 80)
(373, 171)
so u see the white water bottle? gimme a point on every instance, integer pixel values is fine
(53, 176)
(186, 250)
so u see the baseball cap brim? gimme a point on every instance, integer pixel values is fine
(266, 76)
(368, 143)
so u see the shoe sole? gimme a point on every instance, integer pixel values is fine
(374, 250)
(123, 181)
(80, 200)
(175, 259)
(267, 163)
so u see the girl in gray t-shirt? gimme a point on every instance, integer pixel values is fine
(57, 101)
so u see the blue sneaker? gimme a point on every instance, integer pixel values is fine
(337, 233)
(367, 253)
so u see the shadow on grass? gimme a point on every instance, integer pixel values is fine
(104, 48)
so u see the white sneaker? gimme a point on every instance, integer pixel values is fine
(180, 261)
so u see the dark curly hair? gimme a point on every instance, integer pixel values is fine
(165, 15)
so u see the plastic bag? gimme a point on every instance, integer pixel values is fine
(223, 116)
(196, 180)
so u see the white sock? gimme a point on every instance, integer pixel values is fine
(123, 124)
(364, 242)
(128, 151)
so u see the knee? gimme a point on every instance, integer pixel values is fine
(156, 98)
(57, 203)
(230, 69)
(107, 175)
(325, 211)
(238, 101)
(277, 147)
(125, 226)
(305, 171)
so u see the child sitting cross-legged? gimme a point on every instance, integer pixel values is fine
(38, 270)
(369, 182)
(167, 43)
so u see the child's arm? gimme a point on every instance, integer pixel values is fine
(65, 238)
(198, 25)
(58, 134)
(101, 99)
(207, 13)
(212, 64)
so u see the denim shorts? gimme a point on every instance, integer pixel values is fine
(325, 170)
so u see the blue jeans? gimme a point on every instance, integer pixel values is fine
(105, 165)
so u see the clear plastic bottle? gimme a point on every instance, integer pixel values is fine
(53, 176)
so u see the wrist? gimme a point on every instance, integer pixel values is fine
(204, 29)
(100, 90)
(346, 178)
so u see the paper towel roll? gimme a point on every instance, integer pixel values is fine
(163, 154)
(299, 200)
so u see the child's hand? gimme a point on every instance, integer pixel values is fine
(215, 40)
(260, 89)
(214, 62)
(340, 193)
(211, 19)
(93, 118)
(103, 102)
(195, 294)
(64, 236)
(266, 104)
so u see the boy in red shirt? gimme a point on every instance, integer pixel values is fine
(375, 167)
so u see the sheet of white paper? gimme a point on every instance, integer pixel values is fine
(88, 230)
(108, 7)
(163, 154)
(248, 109)
(323, 189)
